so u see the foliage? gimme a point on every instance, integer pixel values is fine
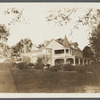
(13, 63)
(87, 52)
(17, 15)
(48, 65)
(96, 69)
(22, 65)
(95, 42)
(30, 64)
(65, 16)
(68, 67)
(40, 46)
(39, 64)
(55, 68)
(4, 32)
(5, 50)
(45, 59)
(23, 46)
(78, 68)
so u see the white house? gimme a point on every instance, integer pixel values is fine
(60, 51)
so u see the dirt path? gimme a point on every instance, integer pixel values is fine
(6, 80)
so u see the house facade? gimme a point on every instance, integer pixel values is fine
(60, 51)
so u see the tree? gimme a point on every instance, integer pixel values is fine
(23, 46)
(17, 15)
(87, 52)
(90, 17)
(39, 63)
(41, 46)
(95, 42)
(27, 43)
(4, 33)
(4, 50)
(45, 59)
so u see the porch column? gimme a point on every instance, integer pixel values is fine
(69, 51)
(64, 61)
(79, 61)
(83, 62)
(74, 61)
(53, 61)
(86, 62)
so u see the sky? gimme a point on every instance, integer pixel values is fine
(36, 27)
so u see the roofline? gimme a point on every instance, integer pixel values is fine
(54, 40)
(76, 49)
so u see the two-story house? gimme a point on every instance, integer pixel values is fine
(60, 51)
(63, 52)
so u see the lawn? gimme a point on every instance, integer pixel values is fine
(6, 81)
(37, 81)
(13, 80)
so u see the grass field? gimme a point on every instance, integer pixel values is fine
(37, 81)
(50, 82)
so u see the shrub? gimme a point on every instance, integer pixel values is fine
(22, 65)
(84, 68)
(55, 68)
(80, 69)
(48, 65)
(69, 67)
(30, 64)
(96, 68)
(13, 64)
(79, 66)
(39, 64)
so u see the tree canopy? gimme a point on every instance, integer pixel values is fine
(23, 46)
(87, 52)
(95, 42)
(4, 32)
(89, 17)
(17, 15)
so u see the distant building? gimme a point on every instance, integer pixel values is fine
(60, 51)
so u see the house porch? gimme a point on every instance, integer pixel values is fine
(74, 61)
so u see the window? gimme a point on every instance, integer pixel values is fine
(67, 50)
(59, 51)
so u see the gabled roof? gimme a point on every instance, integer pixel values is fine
(55, 41)
(49, 42)
(64, 42)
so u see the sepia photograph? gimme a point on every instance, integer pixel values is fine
(49, 48)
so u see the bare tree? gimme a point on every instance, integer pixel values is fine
(17, 16)
(45, 59)
(61, 17)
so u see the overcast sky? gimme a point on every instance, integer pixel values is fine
(37, 28)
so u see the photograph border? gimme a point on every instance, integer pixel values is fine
(47, 96)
